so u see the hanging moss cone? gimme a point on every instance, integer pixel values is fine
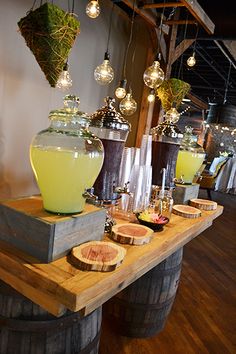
(171, 92)
(50, 33)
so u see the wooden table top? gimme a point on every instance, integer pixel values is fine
(59, 285)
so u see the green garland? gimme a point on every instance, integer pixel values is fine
(50, 33)
(171, 92)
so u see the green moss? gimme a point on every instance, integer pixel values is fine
(50, 33)
(171, 92)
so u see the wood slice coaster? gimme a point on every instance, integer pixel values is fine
(186, 211)
(98, 256)
(203, 204)
(132, 234)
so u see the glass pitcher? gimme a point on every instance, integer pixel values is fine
(66, 159)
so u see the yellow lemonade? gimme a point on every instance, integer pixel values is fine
(187, 165)
(63, 176)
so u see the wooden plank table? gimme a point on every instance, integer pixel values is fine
(59, 285)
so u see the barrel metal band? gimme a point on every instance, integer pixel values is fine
(143, 307)
(22, 325)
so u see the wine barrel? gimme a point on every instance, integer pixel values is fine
(141, 309)
(224, 114)
(26, 328)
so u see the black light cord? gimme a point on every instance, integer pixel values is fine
(109, 31)
(130, 40)
(227, 83)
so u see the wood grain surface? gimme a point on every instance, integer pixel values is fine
(203, 317)
(78, 290)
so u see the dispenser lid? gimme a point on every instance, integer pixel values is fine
(71, 112)
(189, 141)
(108, 117)
(166, 132)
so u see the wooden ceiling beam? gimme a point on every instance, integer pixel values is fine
(181, 48)
(196, 101)
(148, 16)
(161, 5)
(180, 22)
(199, 14)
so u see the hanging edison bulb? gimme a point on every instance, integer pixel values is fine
(153, 76)
(93, 9)
(151, 97)
(120, 91)
(104, 74)
(191, 60)
(64, 81)
(128, 105)
(172, 115)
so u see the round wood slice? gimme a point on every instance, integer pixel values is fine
(203, 204)
(132, 234)
(98, 256)
(186, 211)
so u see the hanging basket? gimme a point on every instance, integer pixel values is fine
(50, 33)
(171, 92)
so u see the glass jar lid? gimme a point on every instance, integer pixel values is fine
(108, 117)
(70, 112)
(166, 132)
(189, 141)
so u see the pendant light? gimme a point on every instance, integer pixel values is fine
(192, 59)
(120, 91)
(154, 75)
(128, 105)
(104, 73)
(64, 81)
(93, 9)
(151, 97)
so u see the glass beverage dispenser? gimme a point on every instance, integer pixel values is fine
(190, 157)
(66, 159)
(113, 130)
(166, 139)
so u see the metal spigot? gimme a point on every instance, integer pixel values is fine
(124, 190)
(90, 196)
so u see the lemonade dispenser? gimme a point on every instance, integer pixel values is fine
(66, 159)
(113, 130)
(190, 157)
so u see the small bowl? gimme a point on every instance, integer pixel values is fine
(155, 226)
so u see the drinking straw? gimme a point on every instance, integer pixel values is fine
(163, 182)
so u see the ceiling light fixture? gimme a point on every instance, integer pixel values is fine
(151, 97)
(154, 76)
(128, 105)
(104, 73)
(93, 9)
(192, 59)
(120, 91)
(64, 81)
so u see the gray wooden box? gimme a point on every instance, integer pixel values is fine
(184, 192)
(26, 225)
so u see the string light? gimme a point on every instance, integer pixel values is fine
(64, 81)
(104, 73)
(93, 9)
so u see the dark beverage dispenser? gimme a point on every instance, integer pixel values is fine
(113, 130)
(166, 138)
